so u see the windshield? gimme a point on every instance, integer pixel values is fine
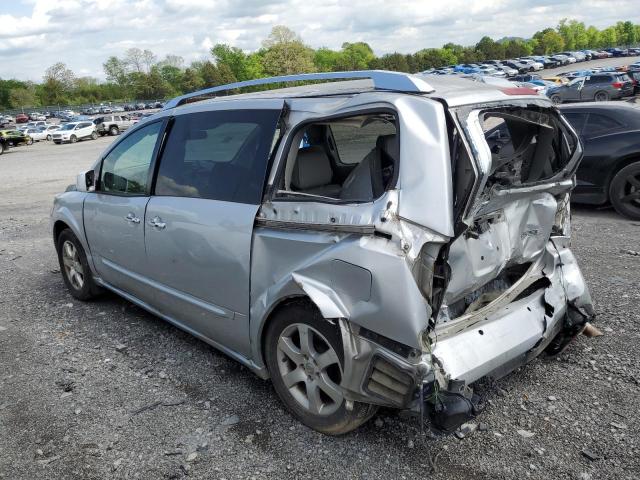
(68, 126)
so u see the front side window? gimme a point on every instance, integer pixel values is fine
(218, 155)
(125, 170)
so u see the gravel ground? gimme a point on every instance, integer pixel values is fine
(105, 390)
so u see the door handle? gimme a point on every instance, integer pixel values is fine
(131, 218)
(157, 222)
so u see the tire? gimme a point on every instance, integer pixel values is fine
(556, 99)
(601, 96)
(3, 148)
(75, 268)
(73, 139)
(94, 136)
(287, 354)
(114, 131)
(624, 191)
(49, 137)
(30, 141)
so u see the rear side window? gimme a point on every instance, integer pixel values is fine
(219, 155)
(354, 143)
(598, 79)
(598, 123)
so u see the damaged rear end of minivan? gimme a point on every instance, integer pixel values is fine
(509, 287)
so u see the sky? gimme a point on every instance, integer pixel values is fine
(35, 34)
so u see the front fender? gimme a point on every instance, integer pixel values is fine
(67, 208)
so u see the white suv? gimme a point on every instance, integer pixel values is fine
(72, 132)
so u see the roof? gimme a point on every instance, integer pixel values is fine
(452, 89)
(598, 105)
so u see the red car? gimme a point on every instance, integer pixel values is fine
(22, 118)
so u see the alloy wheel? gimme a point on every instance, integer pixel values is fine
(310, 369)
(631, 191)
(72, 266)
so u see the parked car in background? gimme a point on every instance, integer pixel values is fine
(519, 66)
(599, 87)
(293, 259)
(112, 124)
(74, 131)
(557, 80)
(617, 52)
(527, 77)
(560, 59)
(36, 134)
(49, 129)
(22, 118)
(610, 168)
(16, 137)
(634, 75)
(508, 71)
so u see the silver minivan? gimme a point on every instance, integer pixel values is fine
(373, 241)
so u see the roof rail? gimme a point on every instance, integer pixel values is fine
(382, 80)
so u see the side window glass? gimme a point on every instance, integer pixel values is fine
(600, 123)
(125, 169)
(218, 155)
(348, 159)
(576, 120)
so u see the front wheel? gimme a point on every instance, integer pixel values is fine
(73, 139)
(74, 267)
(624, 191)
(113, 131)
(94, 136)
(305, 358)
(30, 141)
(49, 138)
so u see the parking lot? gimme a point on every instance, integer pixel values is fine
(106, 390)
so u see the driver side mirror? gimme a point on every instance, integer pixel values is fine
(85, 181)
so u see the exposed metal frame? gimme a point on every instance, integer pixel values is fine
(382, 80)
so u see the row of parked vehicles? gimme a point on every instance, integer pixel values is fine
(68, 115)
(82, 128)
(534, 63)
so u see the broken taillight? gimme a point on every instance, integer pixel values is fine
(617, 84)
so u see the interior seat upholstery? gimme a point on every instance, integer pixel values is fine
(312, 173)
(369, 179)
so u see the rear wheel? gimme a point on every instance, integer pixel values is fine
(556, 99)
(74, 267)
(49, 138)
(601, 97)
(94, 136)
(73, 139)
(113, 130)
(305, 358)
(30, 141)
(3, 147)
(624, 191)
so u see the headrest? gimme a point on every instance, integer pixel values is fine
(312, 169)
(390, 144)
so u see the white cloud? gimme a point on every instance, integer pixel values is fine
(83, 33)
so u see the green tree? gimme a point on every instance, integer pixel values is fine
(629, 30)
(396, 62)
(325, 59)
(191, 80)
(58, 83)
(489, 49)
(593, 36)
(609, 37)
(285, 54)
(434, 58)
(567, 33)
(234, 58)
(22, 97)
(355, 56)
(549, 41)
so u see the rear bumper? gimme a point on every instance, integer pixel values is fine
(544, 310)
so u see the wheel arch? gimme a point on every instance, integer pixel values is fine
(280, 305)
